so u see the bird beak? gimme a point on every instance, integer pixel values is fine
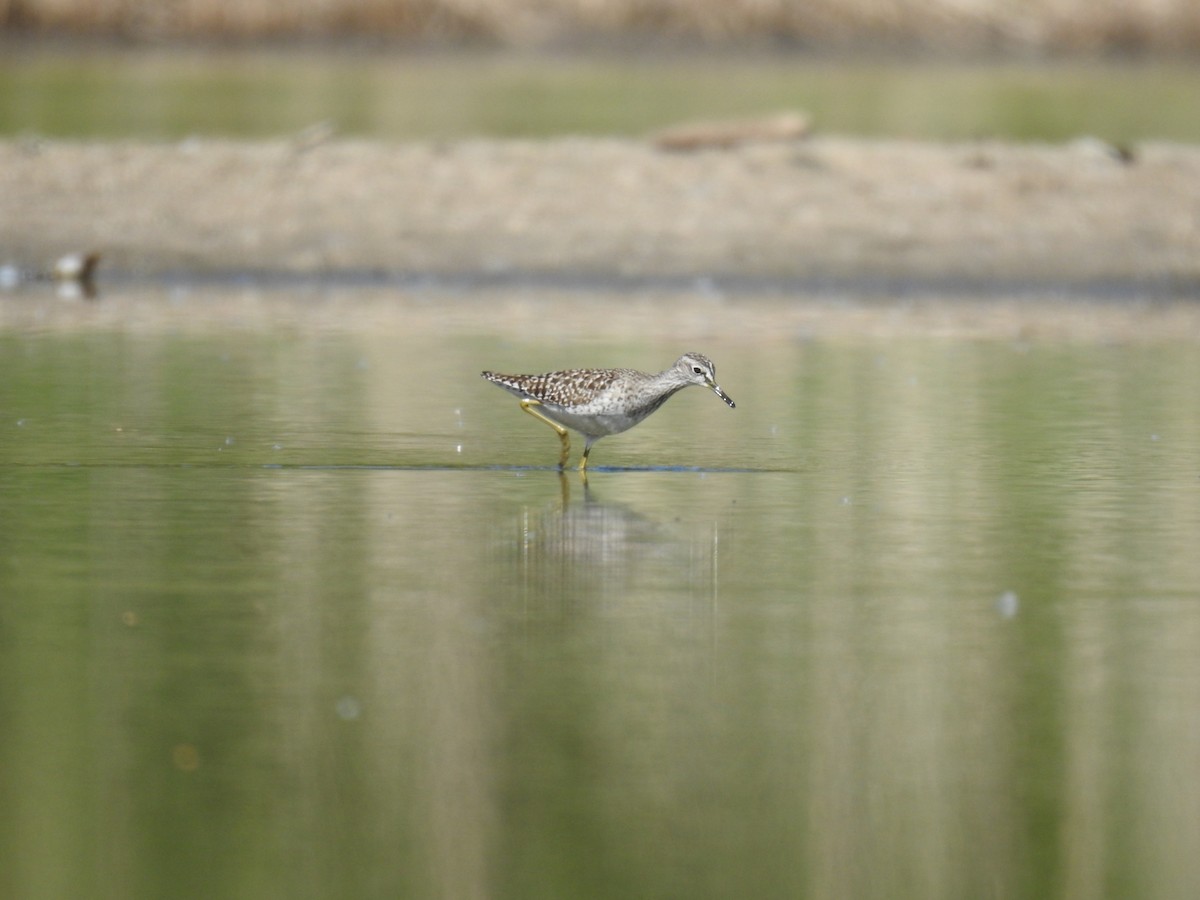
(716, 389)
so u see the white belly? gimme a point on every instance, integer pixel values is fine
(590, 424)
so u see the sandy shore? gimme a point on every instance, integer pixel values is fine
(821, 207)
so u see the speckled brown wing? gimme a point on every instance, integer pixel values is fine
(574, 387)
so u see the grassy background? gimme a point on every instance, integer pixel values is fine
(961, 25)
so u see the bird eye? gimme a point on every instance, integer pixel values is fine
(697, 370)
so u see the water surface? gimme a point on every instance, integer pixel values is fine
(293, 604)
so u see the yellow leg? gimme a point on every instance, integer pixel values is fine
(528, 405)
(583, 461)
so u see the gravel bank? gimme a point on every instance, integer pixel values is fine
(822, 207)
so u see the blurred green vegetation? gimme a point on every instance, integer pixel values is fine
(157, 94)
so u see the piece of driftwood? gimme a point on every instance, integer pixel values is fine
(787, 126)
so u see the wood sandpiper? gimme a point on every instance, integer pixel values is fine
(600, 402)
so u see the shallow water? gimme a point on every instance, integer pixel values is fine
(293, 604)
